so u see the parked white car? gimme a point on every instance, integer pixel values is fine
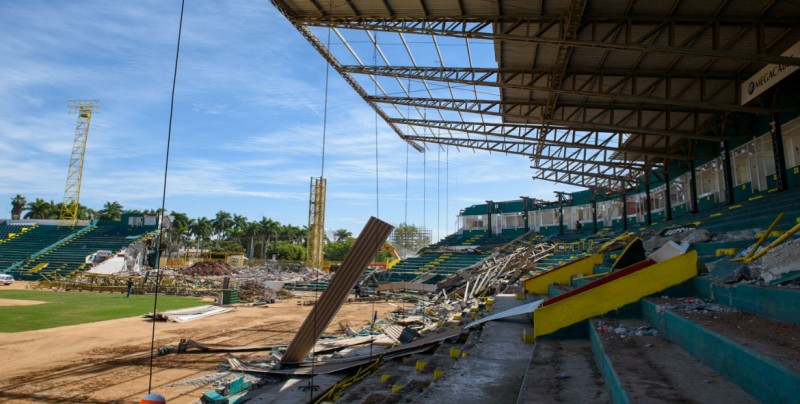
(6, 279)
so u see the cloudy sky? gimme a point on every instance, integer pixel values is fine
(247, 128)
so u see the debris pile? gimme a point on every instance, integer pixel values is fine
(209, 268)
(692, 305)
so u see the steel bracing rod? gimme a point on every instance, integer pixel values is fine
(534, 125)
(520, 79)
(480, 74)
(583, 156)
(530, 118)
(312, 39)
(490, 106)
(623, 178)
(584, 182)
(523, 146)
(482, 29)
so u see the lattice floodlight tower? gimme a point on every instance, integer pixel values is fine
(316, 222)
(72, 191)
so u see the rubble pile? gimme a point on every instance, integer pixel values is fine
(209, 268)
(252, 290)
(693, 305)
(779, 261)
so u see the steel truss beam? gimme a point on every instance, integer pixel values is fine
(482, 28)
(523, 146)
(580, 122)
(530, 133)
(608, 183)
(527, 79)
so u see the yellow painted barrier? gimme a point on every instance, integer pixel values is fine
(601, 299)
(538, 284)
(437, 374)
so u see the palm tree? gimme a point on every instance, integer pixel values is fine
(341, 235)
(222, 223)
(252, 230)
(111, 211)
(269, 232)
(38, 209)
(202, 230)
(17, 206)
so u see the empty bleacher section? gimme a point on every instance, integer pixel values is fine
(50, 250)
(429, 267)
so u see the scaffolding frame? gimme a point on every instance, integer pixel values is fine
(315, 241)
(72, 189)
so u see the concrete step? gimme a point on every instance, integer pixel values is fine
(777, 303)
(759, 354)
(640, 365)
(563, 371)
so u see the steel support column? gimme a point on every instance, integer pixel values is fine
(778, 153)
(693, 186)
(624, 211)
(647, 204)
(594, 210)
(489, 211)
(727, 174)
(525, 201)
(667, 193)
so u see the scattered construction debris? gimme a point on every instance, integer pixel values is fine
(194, 313)
(370, 239)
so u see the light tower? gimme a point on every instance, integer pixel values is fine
(72, 191)
(316, 222)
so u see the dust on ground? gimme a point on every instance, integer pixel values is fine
(108, 361)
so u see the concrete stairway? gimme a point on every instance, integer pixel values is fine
(679, 346)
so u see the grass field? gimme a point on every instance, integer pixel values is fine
(69, 308)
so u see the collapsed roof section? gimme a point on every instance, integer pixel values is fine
(596, 93)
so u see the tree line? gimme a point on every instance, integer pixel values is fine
(225, 232)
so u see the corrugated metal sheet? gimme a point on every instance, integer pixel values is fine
(367, 244)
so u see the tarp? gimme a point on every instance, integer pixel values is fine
(523, 309)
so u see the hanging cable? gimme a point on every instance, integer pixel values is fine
(164, 200)
(424, 188)
(321, 176)
(438, 189)
(375, 83)
(447, 192)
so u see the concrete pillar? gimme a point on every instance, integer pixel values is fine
(692, 187)
(667, 193)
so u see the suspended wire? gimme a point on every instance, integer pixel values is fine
(321, 176)
(447, 192)
(375, 83)
(408, 146)
(164, 200)
(405, 205)
(424, 189)
(325, 111)
(438, 190)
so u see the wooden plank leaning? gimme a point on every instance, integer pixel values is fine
(367, 244)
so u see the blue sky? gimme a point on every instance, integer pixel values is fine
(248, 123)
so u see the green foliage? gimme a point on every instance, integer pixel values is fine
(69, 308)
(337, 250)
(18, 204)
(290, 252)
(111, 211)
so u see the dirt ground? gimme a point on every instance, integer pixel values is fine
(108, 361)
